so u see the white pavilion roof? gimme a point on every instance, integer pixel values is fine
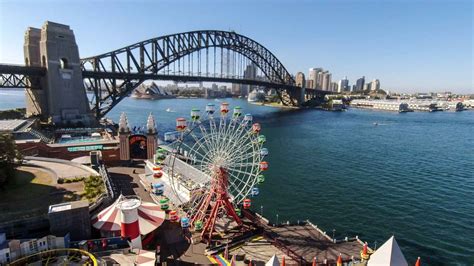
(389, 254)
(273, 261)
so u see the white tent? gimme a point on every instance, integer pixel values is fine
(389, 254)
(273, 261)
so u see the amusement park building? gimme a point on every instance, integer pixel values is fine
(11, 250)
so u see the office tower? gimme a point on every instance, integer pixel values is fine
(314, 76)
(375, 85)
(360, 84)
(300, 80)
(326, 81)
(344, 85)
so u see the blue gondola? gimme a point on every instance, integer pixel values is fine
(158, 188)
(184, 222)
(248, 118)
(210, 108)
(264, 152)
(170, 136)
(255, 192)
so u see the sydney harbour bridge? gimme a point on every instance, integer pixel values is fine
(196, 56)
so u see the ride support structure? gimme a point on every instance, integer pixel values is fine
(218, 202)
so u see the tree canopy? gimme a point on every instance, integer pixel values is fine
(10, 158)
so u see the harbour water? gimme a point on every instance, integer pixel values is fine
(411, 175)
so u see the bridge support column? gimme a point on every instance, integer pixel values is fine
(298, 95)
(62, 98)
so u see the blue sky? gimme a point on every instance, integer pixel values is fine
(408, 45)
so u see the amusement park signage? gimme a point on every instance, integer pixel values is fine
(85, 148)
(138, 147)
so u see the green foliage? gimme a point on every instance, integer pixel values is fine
(70, 180)
(10, 158)
(93, 187)
(18, 113)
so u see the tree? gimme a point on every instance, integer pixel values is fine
(10, 158)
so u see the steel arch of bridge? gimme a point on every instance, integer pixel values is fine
(113, 75)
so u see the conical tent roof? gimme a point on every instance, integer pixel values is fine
(389, 254)
(150, 216)
(273, 261)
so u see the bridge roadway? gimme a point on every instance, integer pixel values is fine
(7, 70)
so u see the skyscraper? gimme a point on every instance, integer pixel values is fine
(326, 81)
(250, 72)
(375, 85)
(343, 85)
(314, 76)
(300, 81)
(360, 84)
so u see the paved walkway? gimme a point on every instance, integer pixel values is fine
(61, 170)
(127, 182)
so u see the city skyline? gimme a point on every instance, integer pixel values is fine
(411, 47)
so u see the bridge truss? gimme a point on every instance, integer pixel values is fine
(214, 56)
(197, 56)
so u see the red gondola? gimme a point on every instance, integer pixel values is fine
(247, 203)
(180, 124)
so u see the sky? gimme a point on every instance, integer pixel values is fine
(409, 45)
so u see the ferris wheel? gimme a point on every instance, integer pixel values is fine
(219, 158)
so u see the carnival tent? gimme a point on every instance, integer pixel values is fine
(150, 217)
(389, 254)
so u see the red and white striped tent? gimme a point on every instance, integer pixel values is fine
(150, 217)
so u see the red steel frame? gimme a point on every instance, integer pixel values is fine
(217, 200)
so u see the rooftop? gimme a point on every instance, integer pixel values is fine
(11, 125)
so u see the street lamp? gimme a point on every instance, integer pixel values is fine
(261, 210)
(277, 219)
(333, 233)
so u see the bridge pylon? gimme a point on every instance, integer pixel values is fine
(59, 97)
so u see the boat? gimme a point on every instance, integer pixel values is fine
(169, 110)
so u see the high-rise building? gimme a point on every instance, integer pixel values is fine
(375, 85)
(309, 84)
(314, 76)
(326, 81)
(250, 72)
(334, 87)
(366, 87)
(360, 84)
(343, 85)
(299, 79)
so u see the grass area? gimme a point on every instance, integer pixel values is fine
(33, 190)
(28, 183)
(93, 187)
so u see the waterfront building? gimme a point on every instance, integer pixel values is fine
(334, 87)
(314, 76)
(235, 89)
(375, 85)
(360, 83)
(250, 72)
(310, 84)
(367, 87)
(300, 80)
(326, 81)
(382, 105)
(343, 85)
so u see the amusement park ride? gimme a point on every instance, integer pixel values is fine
(226, 147)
